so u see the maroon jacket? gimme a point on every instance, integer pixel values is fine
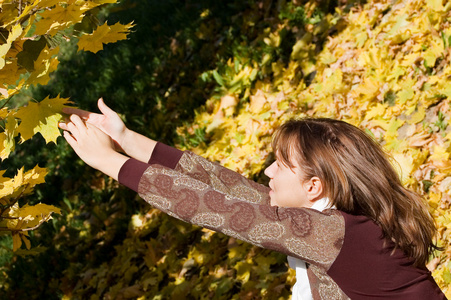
(346, 253)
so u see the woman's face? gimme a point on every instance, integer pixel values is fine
(287, 186)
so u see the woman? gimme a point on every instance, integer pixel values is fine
(373, 244)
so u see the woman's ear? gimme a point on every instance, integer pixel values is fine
(314, 189)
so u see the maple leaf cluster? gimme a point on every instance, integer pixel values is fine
(30, 35)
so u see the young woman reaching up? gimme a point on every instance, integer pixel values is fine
(372, 242)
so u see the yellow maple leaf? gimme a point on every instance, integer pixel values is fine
(405, 94)
(16, 31)
(59, 17)
(4, 113)
(46, 63)
(18, 179)
(47, 3)
(14, 18)
(21, 183)
(30, 213)
(434, 199)
(42, 117)
(10, 185)
(104, 34)
(429, 58)
(366, 90)
(439, 153)
(8, 75)
(376, 111)
(33, 177)
(417, 116)
(7, 137)
(392, 131)
(436, 5)
(95, 3)
(17, 242)
(406, 163)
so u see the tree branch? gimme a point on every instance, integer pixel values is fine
(9, 218)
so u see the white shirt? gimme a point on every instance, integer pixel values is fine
(301, 289)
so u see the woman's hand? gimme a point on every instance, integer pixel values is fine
(108, 121)
(133, 144)
(93, 146)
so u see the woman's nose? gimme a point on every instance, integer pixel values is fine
(269, 171)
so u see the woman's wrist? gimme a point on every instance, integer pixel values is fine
(136, 145)
(125, 140)
(112, 164)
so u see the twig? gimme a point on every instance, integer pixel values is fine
(6, 102)
(20, 7)
(6, 248)
(9, 218)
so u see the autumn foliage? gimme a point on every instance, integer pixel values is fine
(30, 35)
(387, 71)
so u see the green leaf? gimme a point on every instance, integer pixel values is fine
(218, 78)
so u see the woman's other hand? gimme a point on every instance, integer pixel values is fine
(108, 121)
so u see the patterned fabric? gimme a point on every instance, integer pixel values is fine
(301, 289)
(206, 194)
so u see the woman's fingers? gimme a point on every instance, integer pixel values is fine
(86, 116)
(104, 108)
(93, 128)
(73, 130)
(73, 126)
(79, 124)
(63, 125)
(70, 140)
(72, 110)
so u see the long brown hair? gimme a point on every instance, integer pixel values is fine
(359, 179)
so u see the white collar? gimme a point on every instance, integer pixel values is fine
(321, 204)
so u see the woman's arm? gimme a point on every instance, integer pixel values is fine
(212, 174)
(142, 149)
(298, 232)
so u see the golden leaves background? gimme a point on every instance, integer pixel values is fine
(387, 71)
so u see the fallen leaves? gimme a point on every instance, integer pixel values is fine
(387, 72)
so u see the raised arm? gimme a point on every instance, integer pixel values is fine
(142, 149)
(132, 143)
(210, 173)
(189, 192)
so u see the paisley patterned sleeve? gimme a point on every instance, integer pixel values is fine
(213, 174)
(201, 193)
(222, 179)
